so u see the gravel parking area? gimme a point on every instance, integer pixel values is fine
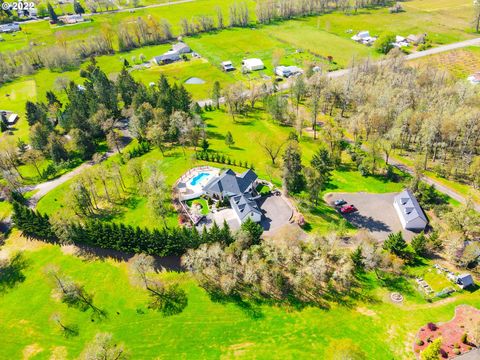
(375, 213)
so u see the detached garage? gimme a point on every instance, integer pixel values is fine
(410, 212)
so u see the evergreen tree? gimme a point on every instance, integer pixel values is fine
(395, 243)
(126, 86)
(78, 8)
(292, 168)
(419, 244)
(323, 165)
(229, 139)
(51, 13)
(205, 144)
(216, 94)
(357, 259)
(253, 230)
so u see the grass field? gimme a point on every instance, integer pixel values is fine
(205, 329)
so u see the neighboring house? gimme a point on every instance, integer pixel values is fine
(409, 211)
(72, 19)
(416, 39)
(238, 189)
(253, 64)
(181, 48)
(227, 66)
(364, 38)
(12, 119)
(474, 79)
(287, 71)
(8, 117)
(400, 42)
(9, 28)
(465, 281)
(167, 58)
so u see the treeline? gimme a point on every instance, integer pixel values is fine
(118, 237)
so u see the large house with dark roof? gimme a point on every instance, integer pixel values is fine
(239, 190)
(409, 211)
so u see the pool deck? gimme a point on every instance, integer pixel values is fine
(187, 191)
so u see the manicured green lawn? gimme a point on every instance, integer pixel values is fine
(202, 202)
(206, 328)
(256, 125)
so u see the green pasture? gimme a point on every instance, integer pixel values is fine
(206, 328)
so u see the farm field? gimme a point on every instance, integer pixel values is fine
(459, 63)
(229, 330)
(448, 23)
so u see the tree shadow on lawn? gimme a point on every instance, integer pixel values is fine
(215, 135)
(399, 284)
(12, 273)
(251, 308)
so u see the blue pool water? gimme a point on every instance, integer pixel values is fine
(199, 178)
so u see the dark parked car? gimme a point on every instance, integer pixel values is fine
(340, 202)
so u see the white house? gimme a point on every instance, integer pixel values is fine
(409, 211)
(253, 64)
(364, 38)
(167, 58)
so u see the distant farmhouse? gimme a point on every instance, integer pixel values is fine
(364, 37)
(9, 28)
(409, 211)
(9, 118)
(252, 65)
(238, 189)
(72, 19)
(174, 54)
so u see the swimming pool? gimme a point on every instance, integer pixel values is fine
(197, 179)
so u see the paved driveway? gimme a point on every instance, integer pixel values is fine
(375, 213)
(276, 213)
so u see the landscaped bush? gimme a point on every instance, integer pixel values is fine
(420, 342)
(222, 159)
(464, 338)
(431, 326)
